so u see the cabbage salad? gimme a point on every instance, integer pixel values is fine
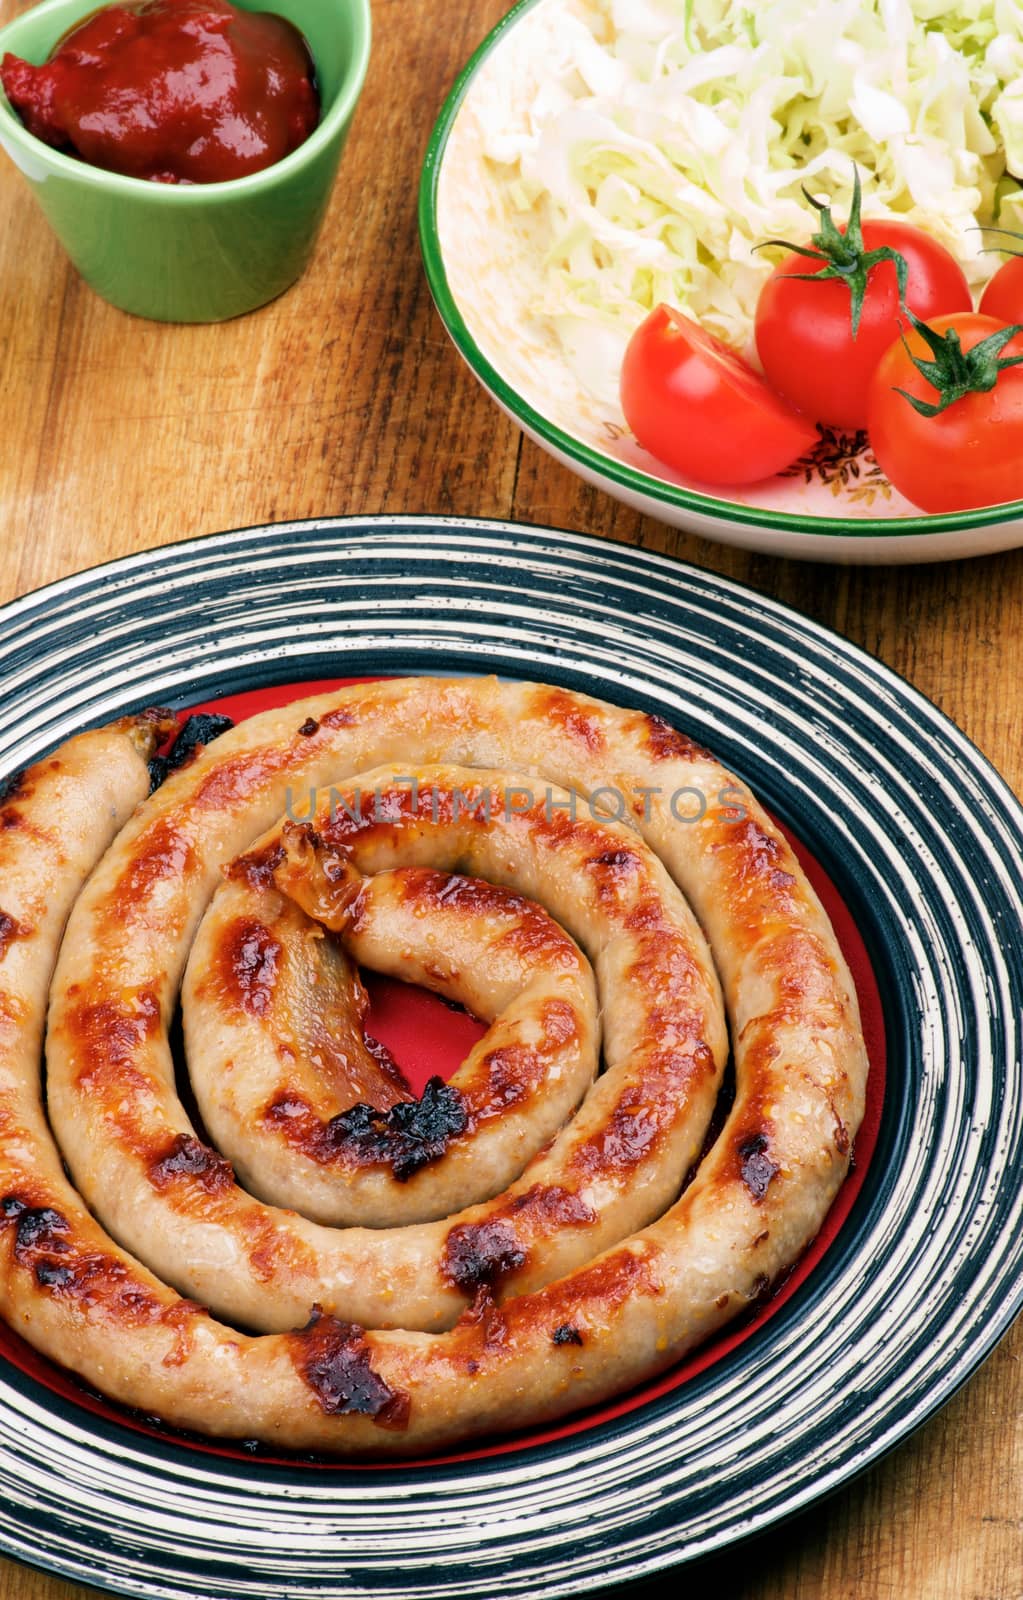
(661, 141)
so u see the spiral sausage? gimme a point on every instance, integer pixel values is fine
(274, 1021)
(538, 1338)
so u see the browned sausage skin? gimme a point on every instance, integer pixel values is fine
(322, 1382)
(613, 1168)
(265, 1006)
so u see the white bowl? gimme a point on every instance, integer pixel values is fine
(483, 263)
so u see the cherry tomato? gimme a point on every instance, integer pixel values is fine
(1003, 297)
(701, 409)
(968, 455)
(804, 328)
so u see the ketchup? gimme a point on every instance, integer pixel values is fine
(176, 91)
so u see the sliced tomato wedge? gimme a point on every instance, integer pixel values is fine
(702, 410)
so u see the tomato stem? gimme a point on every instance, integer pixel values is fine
(956, 372)
(843, 254)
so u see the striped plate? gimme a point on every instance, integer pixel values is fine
(923, 841)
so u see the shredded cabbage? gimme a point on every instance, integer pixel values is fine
(665, 139)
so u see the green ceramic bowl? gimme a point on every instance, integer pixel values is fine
(206, 252)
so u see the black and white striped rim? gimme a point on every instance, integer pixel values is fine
(919, 834)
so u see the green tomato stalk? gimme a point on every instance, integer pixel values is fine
(843, 253)
(956, 372)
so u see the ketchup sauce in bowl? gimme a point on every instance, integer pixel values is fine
(183, 151)
(176, 91)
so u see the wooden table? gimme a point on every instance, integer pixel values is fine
(346, 396)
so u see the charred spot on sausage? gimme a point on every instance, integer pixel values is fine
(195, 734)
(407, 1137)
(53, 1275)
(334, 1359)
(479, 1254)
(566, 1334)
(756, 1166)
(188, 1157)
(10, 929)
(43, 1229)
(615, 860)
(40, 1229)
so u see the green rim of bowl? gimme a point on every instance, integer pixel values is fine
(585, 455)
(185, 195)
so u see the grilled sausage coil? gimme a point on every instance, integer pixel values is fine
(488, 1274)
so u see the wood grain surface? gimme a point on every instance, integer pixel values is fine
(346, 396)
